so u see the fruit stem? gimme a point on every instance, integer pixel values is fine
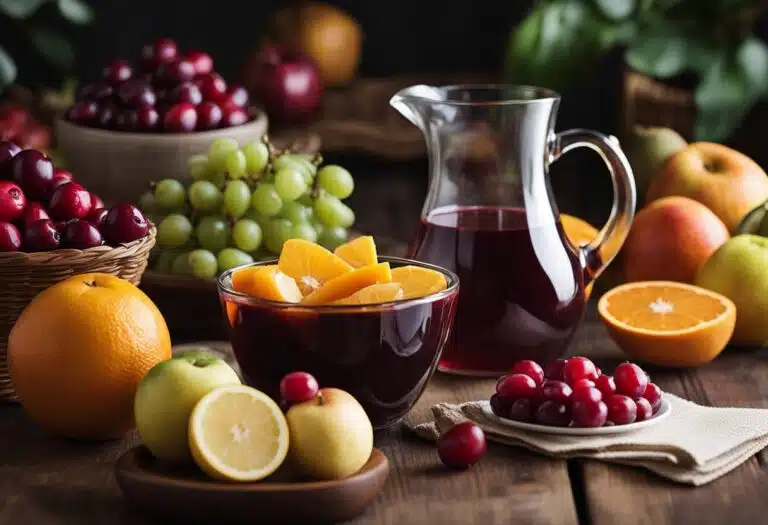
(320, 399)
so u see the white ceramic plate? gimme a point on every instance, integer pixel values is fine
(664, 411)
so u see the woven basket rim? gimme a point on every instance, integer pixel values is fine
(259, 120)
(71, 256)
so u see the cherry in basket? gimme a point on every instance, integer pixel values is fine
(575, 393)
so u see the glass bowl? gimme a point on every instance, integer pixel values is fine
(383, 354)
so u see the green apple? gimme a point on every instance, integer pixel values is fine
(166, 396)
(739, 271)
(331, 435)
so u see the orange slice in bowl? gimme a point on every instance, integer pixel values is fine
(358, 252)
(242, 279)
(668, 323)
(271, 284)
(375, 293)
(418, 282)
(348, 283)
(310, 264)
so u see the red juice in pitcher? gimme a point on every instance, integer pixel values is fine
(521, 290)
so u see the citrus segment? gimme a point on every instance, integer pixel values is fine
(241, 279)
(237, 433)
(310, 264)
(418, 282)
(668, 323)
(375, 293)
(358, 252)
(349, 283)
(271, 284)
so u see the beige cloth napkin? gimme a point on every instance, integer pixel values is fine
(694, 445)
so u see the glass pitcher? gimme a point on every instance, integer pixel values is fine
(490, 217)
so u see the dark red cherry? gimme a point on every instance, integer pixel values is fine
(117, 71)
(147, 118)
(589, 413)
(554, 370)
(124, 223)
(553, 413)
(96, 216)
(12, 201)
(622, 410)
(530, 368)
(187, 92)
(70, 201)
(605, 385)
(158, 52)
(41, 236)
(33, 171)
(233, 116)
(81, 235)
(556, 391)
(135, 93)
(84, 112)
(176, 72)
(298, 387)
(10, 238)
(180, 118)
(34, 211)
(202, 62)
(462, 446)
(631, 380)
(212, 86)
(208, 115)
(579, 368)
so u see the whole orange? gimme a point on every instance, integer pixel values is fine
(78, 351)
(670, 239)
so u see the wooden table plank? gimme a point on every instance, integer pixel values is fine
(616, 494)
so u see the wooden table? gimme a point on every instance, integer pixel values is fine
(48, 481)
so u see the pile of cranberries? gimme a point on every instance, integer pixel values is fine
(574, 392)
(165, 91)
(42, 208)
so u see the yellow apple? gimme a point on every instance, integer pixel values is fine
(724, 180)
(739, 271)
(168, 393)
(331, 435)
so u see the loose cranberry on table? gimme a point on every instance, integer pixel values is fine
(124, 223)
(70, 201)
(81, 235)
(33, 171)
(41, 236)
(530, 368)
(10, 237)
(631, 380)
(298, 387)
(12, 201)
(462, 446)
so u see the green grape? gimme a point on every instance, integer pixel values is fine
(164, 261)
(304, 231)
(266, 201)
(148, 203)
(174, 231)
(276, 233)
(290, 184)
(256, 157)
(332, 212)
(202, 264)
(218, 152)
(213, 233)
(319, 228)
(237, 198)
(336, 181)
(180, 265)
(170, 194)
(218, 179)
(231, 258)
(236, 166)
(297, 163)
(246, 235)
(204, 196)
(332, 238)
(197, 166)
(296, 213)
(306, 199)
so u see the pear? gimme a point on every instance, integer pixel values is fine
(647, 150)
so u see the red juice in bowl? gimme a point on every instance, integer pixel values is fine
(382, 354)
(522, 287)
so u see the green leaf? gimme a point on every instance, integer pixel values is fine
(7, 69)
(659, 54)
(557, 43)
(616, 10)
(76, 11)
(20, 8)
(56, 49)
(735, 80)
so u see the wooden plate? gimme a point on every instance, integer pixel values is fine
(187, 496)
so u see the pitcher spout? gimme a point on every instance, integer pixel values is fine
(412, 102)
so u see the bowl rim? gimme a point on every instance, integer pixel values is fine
(223, 283)
(260, 120)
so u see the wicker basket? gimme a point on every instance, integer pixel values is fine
(24, 275)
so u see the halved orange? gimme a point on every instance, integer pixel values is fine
(418, 282)
(668, 323)
(310, 264)
(375, 293)
(348, 283)
(271, 284)
(358, 252)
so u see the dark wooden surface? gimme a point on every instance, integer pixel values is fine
(49, 481)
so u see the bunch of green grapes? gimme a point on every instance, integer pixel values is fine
(243, 203)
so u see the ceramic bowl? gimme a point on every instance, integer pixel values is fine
(120, 166)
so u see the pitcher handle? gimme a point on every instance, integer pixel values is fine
(594, 256)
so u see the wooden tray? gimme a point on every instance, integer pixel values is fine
(359, 119)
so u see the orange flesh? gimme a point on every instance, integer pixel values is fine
(418, 282)
(358, 252)
(349, 283)
(310, 264)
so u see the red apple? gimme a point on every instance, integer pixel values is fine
(287, 83)
(724, 180)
